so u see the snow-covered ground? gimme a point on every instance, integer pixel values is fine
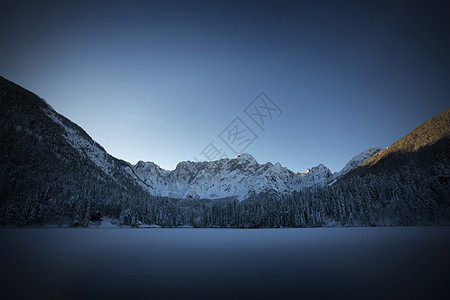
(389, 262)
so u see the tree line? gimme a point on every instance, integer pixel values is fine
(373, 200)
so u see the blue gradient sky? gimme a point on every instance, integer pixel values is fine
(158, 81)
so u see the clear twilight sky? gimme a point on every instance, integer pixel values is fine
(159, 80)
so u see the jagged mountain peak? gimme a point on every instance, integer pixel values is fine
(238, 177)
(246, 156)
(318, 175)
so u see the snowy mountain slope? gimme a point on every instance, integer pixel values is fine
(46, 156)
(425, 149)
(356, 161)
(434, 133)
(90, 149)
(240, 176)
(318, 175)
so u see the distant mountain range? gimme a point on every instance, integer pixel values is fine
(52, 171)
(238, 177)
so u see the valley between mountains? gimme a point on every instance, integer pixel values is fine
(53, 173)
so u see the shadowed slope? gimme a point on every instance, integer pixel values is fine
(427, 147)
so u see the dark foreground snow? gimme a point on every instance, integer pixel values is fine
(225, 263)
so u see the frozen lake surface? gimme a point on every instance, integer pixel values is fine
(225, 263)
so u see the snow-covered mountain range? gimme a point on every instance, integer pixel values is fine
(53, 172)
(238, 177)
(74, 151)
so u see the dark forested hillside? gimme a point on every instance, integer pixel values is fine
(414, 172)
(44, 177)
(426, 147)
(52, 172)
